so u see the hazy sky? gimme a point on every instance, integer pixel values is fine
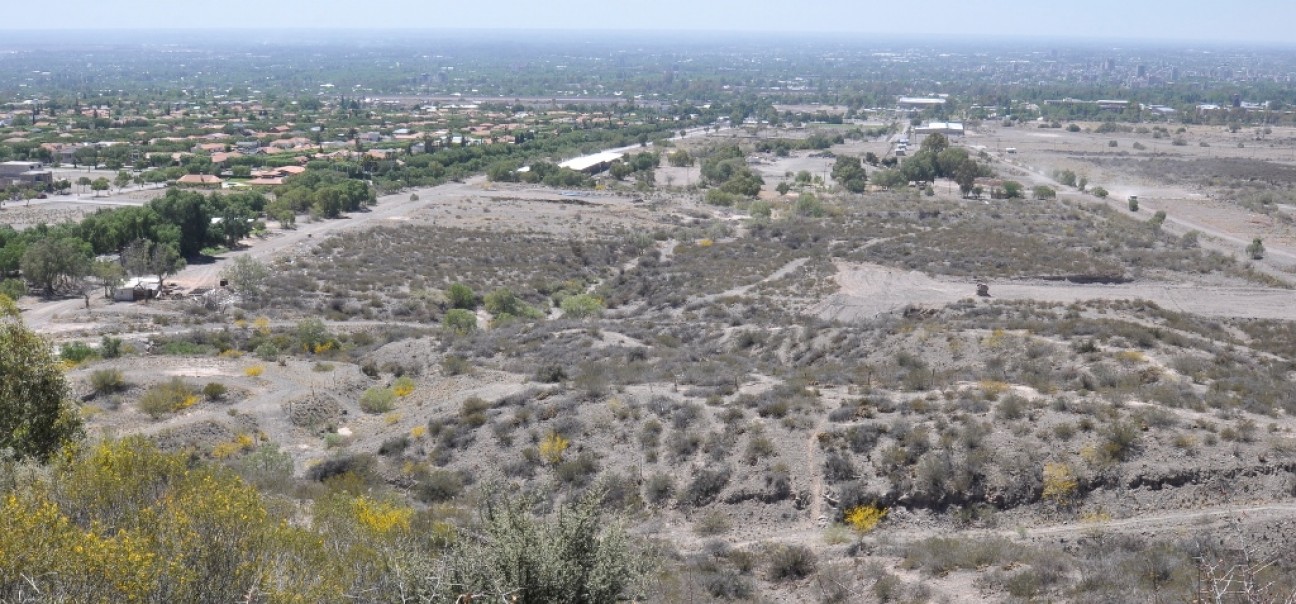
(1190, 20)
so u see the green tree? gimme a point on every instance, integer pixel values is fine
(313, 334)
(809, 206)
(619, 170)
(1066, 177)
(143, 257)
(1012, 189)
(248, 277)
(99, 184)
(88, 155)
(135, 257)
(581, 306)
(949, 160)
(461, 296)
(679, 159)
(935, 143)
(189, 211)
(13, 288)
(162, 259)
(53, 263)
(889, 179)
(504, 304)
(502, 171)
(920, 168)
(36, 415)
(849, 173)
(109, 273)
(121, 180)
(283, 213)
(1158, 219)
(1043, 192)
(460, 320)
(1256, 250)
(965, 175)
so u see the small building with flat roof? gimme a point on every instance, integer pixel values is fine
(909, 102)
(592, 164)
(946, 128)
(24, 172)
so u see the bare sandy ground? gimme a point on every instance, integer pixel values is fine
(869, 290)
(1188, 206)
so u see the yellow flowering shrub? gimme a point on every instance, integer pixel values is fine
(254, 371)
(241, 443)
(381, 517)
(997, 339)
(865, 518)
(1131, 357)
(993, 388)
(37, 539)
(1059, 484)
(120, 521)
(168, 397)
(552, 448)
(403, 387)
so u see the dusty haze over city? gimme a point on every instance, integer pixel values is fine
(585, 302)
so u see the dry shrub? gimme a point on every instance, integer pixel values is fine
(167, 397)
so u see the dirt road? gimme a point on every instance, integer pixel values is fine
(869, 290)
(60, 316)
(1226, 228)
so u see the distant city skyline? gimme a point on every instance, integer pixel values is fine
(1257, 21)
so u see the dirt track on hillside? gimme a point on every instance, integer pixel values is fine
(869, 290)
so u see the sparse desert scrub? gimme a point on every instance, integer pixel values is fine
(790, 562)
(214, 391)
(167, 397)
(107, 381)
(378, 400)
(530, 266)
